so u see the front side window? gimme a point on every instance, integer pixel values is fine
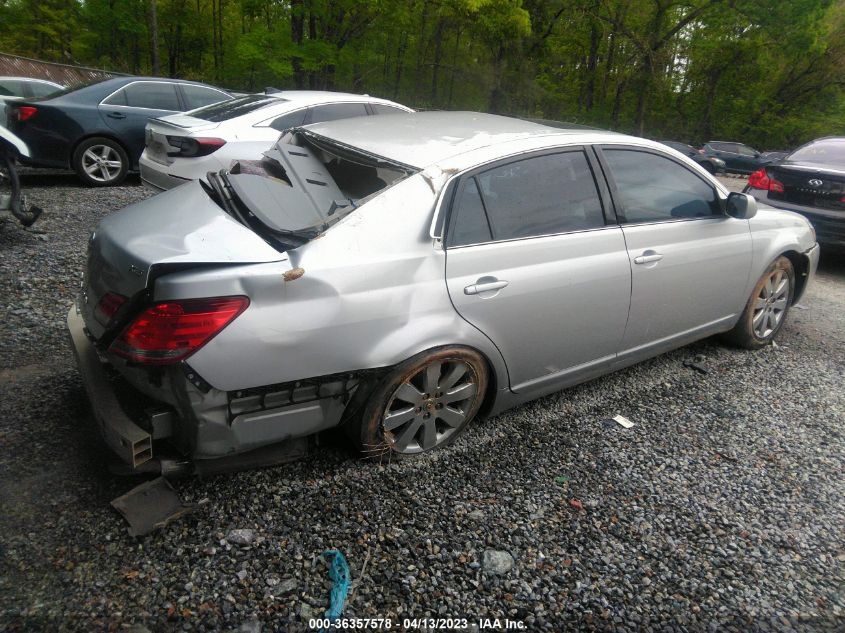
(153, 95)
(334, 111)
(744, 150)
(652, 188)
(542, 195)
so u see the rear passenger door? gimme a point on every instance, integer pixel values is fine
(534, 262)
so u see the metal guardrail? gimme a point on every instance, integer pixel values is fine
(64, 74)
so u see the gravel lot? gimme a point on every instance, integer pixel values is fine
(723, 508)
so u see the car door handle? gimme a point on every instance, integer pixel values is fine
(485, 286)
(648, 257)
(116, 115)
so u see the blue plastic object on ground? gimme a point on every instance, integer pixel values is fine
(339, 573)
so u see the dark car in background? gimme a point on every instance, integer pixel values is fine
(710, 163)
(810, 181)
(98, 129)
(739, 158)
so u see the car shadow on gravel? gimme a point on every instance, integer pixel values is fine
(63, 178)
(832, 260)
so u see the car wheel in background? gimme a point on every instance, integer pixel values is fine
(423, 403)
(765, 312)
(100, 162)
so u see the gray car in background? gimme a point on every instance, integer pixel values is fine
(14, 88)
(398, 276)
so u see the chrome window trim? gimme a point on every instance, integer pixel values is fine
(438, 205)
(132, 83)
(534, 237)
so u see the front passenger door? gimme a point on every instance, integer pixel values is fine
(534, 264)
(690, 261)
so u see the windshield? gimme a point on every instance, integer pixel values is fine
(830, 152)
(233, 108)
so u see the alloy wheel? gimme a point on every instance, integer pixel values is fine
(102, 163)
(770, 305)
(430, 406)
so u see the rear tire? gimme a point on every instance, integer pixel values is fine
(422, 404)
(767, 307)
(100, 162)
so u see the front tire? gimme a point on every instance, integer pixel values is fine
(423, 403)
(100, 162)
(766, 310)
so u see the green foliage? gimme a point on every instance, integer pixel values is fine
(771, 73)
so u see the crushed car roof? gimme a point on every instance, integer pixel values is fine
(425, 138)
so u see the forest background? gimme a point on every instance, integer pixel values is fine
(769, 73)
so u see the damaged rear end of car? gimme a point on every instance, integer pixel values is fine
(206, 266)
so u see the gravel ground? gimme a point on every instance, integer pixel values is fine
(721, 509)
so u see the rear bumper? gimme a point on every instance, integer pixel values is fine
(128, 440)
(829, 225)
(215, 429)
(154, 176)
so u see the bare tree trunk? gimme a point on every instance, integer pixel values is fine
(438, 55)
(297, 32)
(154, 59)
(454, 65)
(312, 34)
(592, 63)
(400, 55)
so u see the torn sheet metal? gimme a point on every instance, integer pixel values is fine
(150, 506)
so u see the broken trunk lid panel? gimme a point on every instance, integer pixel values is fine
(150, 506)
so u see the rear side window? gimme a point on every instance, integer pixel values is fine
(470, 225)
(334, 111)
(153, 95)
(542, 195)
(233, 108)
(199, 96)
(42, 90)
(744, 150)
(652, 188)
(380, 108)
(288, 120)
(11, 88)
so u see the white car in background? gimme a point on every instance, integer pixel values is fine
(14, 88)
(184, 147)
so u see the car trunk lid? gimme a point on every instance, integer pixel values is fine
(811, 185)
(157, 131)
(181, 228)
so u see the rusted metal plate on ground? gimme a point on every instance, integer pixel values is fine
(150, 506)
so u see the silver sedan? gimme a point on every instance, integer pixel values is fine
(399, 276)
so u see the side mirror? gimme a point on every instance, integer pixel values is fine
(741, 206)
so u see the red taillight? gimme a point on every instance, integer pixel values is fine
(173, 330)
(759, 180)
(107, 306)
(190, 147)
(25, 113)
